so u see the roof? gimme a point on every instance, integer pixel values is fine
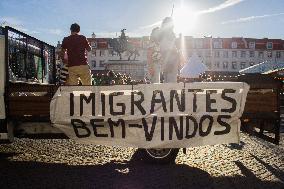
(191, 42)
(193, 68)
(264, 67)
(102, 43)
(274, 71)
(242, 43)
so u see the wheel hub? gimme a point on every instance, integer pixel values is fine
(159, 152)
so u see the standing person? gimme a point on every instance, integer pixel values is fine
(154, 57)
(76, 47)
(169, 52)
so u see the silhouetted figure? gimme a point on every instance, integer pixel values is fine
(169, 52)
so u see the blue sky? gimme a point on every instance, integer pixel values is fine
(49, 20)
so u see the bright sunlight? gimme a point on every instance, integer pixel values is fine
(185, 19)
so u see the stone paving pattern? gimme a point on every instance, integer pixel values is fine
(58, 163)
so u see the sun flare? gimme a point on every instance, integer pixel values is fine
(185, 20)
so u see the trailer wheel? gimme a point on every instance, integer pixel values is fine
(159, 155)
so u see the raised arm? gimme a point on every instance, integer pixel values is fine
(63, 52)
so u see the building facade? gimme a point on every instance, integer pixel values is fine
(102, 52)
(218, 54)
(234, 54)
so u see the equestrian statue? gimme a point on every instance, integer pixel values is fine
(121, 45)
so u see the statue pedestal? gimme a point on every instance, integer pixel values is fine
(135, 68)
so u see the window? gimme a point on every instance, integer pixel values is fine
(225, 54)
(252, 45)
(251, 63)
(102, 53)
(217, 54)
(278, 54)
(251, 54)
(94, 52)
(260, 54)
(234, 45)
(243, 65)
(102, 64)
(269, 54)
(234, 54)
(217, 44)
(234, 65)
(111, 52)
(198, 44)
(243, 54)
(217, 65)
(94, 64)
(269, 45)
(94, 45)
(225, 65)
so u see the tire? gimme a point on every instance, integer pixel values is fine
(159, 155)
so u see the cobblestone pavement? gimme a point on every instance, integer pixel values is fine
(61, 163)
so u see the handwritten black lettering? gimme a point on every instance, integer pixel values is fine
(149, 135)
(180, 102)
(80, 128)
(155, 101)
(195, 127)
(178, 130)
(122, 105)
(224, 124)
(229, 99)
(137, 102)
(113, 123)
(95, 125)
(201, 125)
(210, 101)
(92, 98)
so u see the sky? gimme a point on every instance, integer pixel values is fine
(50, 20)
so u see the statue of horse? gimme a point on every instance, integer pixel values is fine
(121, 45)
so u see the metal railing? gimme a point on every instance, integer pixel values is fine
(28, 59)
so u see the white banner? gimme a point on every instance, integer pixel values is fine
(172, 115)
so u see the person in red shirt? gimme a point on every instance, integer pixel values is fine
(76, 47)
